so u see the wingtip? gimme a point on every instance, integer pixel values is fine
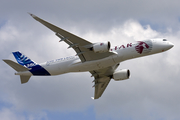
(32, 15)
(5, 60)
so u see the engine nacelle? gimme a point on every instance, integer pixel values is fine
(101, 47)
(121, 75)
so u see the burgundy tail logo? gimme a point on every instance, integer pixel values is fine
(142, 47)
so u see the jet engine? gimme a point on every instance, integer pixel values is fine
(101, 47)
(121, 75)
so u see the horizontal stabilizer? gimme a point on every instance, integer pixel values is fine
(16, 66)
(24, 79)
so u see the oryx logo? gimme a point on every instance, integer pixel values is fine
(144, 46)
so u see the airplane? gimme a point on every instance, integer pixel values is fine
(98, 58)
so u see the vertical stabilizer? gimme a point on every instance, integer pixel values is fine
(33, 67)
(24, 60)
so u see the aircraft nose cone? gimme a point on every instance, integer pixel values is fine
(171, 45)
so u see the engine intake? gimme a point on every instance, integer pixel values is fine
(101, 47)
(121, 75)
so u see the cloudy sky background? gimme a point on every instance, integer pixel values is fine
(152, 92)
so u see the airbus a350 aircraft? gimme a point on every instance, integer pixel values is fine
(97, 58)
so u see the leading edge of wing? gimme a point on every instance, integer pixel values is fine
(72, 40)
(77, 43)
(64, 33)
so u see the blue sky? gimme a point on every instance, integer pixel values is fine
(152, 92)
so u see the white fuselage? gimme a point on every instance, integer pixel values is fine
(121, 53)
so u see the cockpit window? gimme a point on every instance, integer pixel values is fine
(164, 40)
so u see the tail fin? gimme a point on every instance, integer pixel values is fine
(33, 67)
(24, 60)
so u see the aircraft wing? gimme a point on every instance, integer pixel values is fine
(80, 45)
(102, 79)
(100, 86)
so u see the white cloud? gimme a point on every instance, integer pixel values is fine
(13, 114)
(8, 114)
